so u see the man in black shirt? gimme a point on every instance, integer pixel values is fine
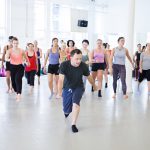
(70, 80)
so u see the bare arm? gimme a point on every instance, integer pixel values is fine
(91, 80)
(60, 83)
(106, 59)
(7, 53)
(111, 58)
(141, 64)
(3, 56)
(36, 61)
(46, 58)
(26, 58)
(128, 56)
(91, 55)
(41, 53)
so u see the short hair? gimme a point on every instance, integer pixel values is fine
(85, 41)
(139, 44)
(70, 41)
(75, 51)
(10, 37)
(14, 39)
(120, 38)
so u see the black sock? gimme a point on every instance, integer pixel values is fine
(66, 115)
(74, 128)
(106, 85)
(99, 93)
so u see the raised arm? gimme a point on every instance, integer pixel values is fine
(26, 58)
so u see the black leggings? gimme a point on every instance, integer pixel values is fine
(17, 72)
(30, 77)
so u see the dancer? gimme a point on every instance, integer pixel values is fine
(33, 68)
(63, 54)
(145, 66)
(8, 79)
(39, 56)
(117, 64)
(53, 68)
(85, 57)
(70, 79)
(97, 57)
(70, 47)
(16, 56)
(136, 59)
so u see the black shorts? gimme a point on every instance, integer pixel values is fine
(7, 66)
(71, 96)
(98, 66)
(144, 75)
(39, 70)
(53, 69)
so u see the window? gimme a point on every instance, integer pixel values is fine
(2, 21)
(39, 18)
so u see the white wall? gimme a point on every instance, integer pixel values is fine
(111, 19)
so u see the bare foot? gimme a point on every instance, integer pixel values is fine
(18, 97)
(125, 96)
(114, 96)
(58, 97)
(7, 91)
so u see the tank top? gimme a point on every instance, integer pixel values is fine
(68, 51)
(32, 60)
(138, 54)
(98, 57)
(54, 57)
(119, 56)
(16, 59)
(38, 54)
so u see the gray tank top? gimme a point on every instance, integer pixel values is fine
(85, 58)
(145, 61)
(119, 56)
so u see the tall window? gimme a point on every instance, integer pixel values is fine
(39, 18)
(2, 20)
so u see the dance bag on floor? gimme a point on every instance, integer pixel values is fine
(2, 72)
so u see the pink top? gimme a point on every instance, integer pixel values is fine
(16, 59)
(98, 57)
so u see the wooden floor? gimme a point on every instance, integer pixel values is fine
(37, 123)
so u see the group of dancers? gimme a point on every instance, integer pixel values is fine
(68, 69)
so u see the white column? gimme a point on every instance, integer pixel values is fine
(130, 43)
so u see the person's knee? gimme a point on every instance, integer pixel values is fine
(76, 106)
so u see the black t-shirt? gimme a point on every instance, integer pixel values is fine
(73, 75)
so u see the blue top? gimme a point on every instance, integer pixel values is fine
(54, 57)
